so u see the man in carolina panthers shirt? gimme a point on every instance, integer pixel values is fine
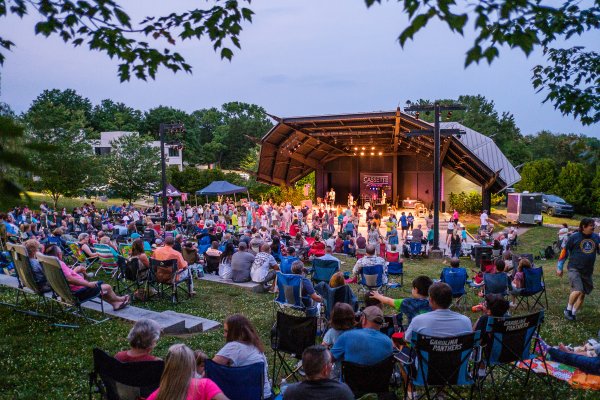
(581, 249)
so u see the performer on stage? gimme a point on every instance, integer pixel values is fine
(383, 197)
(332, 197)
(350, 200)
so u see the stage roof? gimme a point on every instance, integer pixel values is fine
(296, 146)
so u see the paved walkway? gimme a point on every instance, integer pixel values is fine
(171, 322)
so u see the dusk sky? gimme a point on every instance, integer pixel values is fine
(297, 58)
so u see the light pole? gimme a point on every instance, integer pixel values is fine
(164, 129)
(437, 168)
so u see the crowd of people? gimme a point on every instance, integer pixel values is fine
(252, 242)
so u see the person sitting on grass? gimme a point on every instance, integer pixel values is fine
(83, 289)
(178, 382)
(316, 362)
(142, 338)
(585, 358)
(410, 306)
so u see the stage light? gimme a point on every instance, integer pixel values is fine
(372, 153)
(373, 148)
(363, 147)
(362, 153)
(380, 153)
(356, 148)
(354, 153)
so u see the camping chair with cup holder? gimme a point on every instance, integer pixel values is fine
(395, 268)
(456, 278)
(371, 278)
(323, 270)
(363, 379)
(534, 290)
(109, 263)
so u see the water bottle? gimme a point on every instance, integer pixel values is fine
(283, 386)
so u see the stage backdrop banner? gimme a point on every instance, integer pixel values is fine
(373, 183)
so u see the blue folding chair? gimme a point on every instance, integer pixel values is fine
(286, 264)
(290, 294)
(371, 278)
(203, 245)
(441, 365)
(512, 340)
(457, 279)
(323, 270)
(535, 288)
(416, 249)
(496, 283)
(332, 296)
(277, 255)
(238, 383)
(397, 269)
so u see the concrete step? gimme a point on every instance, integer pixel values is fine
(171, 322)
(217, 279)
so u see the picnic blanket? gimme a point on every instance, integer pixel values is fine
(573, 376)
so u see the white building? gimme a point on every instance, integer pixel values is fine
(173, 152)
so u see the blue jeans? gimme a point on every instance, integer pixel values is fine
(590, 365)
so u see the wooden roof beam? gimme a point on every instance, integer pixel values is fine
(397, 129)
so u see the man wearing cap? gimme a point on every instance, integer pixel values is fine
(147, 246)
(367, 346)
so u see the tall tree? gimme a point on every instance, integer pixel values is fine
(573, 184)
(111, 116)
(162, 114)
(68, 168)
(538, 176)
(134, 167)
(69, 99)
(570, 77)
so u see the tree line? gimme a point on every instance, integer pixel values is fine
(52, 141)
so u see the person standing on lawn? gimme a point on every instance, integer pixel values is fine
(581, 249)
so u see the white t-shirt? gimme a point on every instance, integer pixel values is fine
(439, 323)
(241, 355)
(260, 266)
(483, 217)
(450, 225)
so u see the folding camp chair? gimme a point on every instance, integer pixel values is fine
(332, 296)
(439, 365)
(290, 295)
(497, 283)
(323, 270)
(457, 279)
(396, 269)
(238, 383)
(132, 276)
(114, 380)
(125, 250)
(211, 264)
(290, 336)
(364, 379)
(164, 277)
(416, 249)
(286, 264)
(511, 340)
(371, 278)
(203, 244)
(108, 261)
(80, 257)
(26, 281)
(535, 288)
(60, 288)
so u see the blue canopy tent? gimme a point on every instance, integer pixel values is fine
(219, 188)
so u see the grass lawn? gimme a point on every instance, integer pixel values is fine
(547, 219)
(39, 360)
(35, 199)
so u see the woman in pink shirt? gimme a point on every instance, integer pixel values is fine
(83, 289)
(178, 382)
